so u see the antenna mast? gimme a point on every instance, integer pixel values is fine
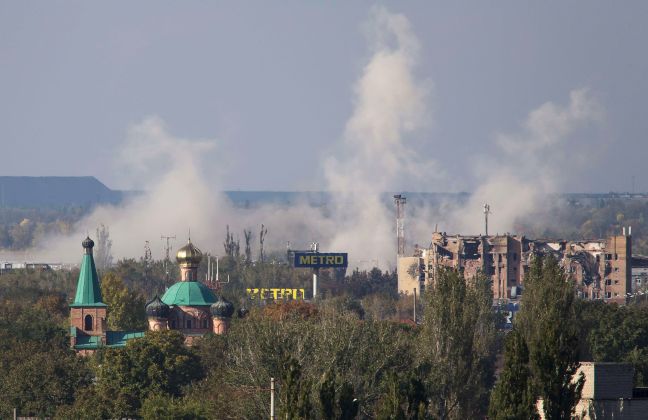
(167, 258)
(486, 213)
(399, 199)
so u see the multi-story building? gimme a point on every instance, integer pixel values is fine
(601, 268)
(640, 275)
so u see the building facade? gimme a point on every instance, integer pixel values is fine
(602, 269)
(608, 393)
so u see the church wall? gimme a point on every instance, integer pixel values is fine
(200, 319)
(77, 317)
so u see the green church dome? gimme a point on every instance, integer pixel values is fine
(189, 293)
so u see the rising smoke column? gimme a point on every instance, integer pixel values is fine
(176, 196)
(531, 164)
(373, 157)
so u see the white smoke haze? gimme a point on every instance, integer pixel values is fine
(177, 196)
(529, 165)
(374, 155)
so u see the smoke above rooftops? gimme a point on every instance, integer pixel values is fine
(550, 148)
(376, 153)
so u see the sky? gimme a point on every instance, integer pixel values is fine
(275, 86)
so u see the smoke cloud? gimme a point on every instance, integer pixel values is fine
(531, 164)
(374, 155)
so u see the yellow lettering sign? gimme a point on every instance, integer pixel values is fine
(275, 293)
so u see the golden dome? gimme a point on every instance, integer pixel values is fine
(189, 255)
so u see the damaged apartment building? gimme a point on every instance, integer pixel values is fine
(601, 269)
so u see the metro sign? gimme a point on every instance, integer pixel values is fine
(321, 259)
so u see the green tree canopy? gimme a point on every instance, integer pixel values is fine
(126, 309)
(513, 397)
(458, 342)
(159, 363)
(549, 323)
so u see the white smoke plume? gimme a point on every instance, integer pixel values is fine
(372, 158)
(177, 196)
(375, 155)
(530, 165)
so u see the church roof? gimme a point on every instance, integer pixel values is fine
(88, 292)
(119, 338)
(189, 293)
(113, 339)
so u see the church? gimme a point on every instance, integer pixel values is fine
(188, 306)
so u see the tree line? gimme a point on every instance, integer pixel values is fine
(342, 356)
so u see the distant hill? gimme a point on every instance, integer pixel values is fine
(55, 192)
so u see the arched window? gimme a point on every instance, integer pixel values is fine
(87, 323)
(188, 324)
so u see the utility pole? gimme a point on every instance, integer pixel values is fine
(315, 249)
(415, 305)
(486, 213)
(400, 200)
(167, 258)
(272, 402)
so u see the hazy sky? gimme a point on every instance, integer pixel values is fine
(273, 83)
